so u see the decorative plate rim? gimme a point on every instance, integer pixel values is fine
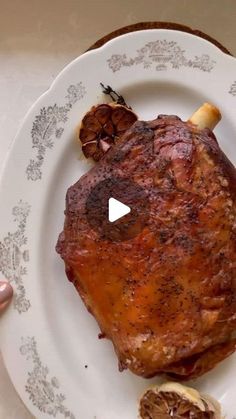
(91, 52)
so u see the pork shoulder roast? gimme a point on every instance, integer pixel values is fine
(166, 296)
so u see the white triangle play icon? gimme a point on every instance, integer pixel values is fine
(116, 209)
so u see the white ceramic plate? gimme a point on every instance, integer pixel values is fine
(49, 341)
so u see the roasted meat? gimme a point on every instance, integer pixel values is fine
(166, 298)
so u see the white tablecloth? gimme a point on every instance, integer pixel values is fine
(38, 38)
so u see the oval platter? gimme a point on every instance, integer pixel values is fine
(49, 342)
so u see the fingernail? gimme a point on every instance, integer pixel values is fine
(6, 292)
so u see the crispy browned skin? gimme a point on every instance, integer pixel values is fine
(167, 298)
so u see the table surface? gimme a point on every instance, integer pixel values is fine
(38, 38)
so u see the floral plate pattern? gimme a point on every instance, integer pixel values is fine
(48, 340)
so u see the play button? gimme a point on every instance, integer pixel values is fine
(116, 210)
